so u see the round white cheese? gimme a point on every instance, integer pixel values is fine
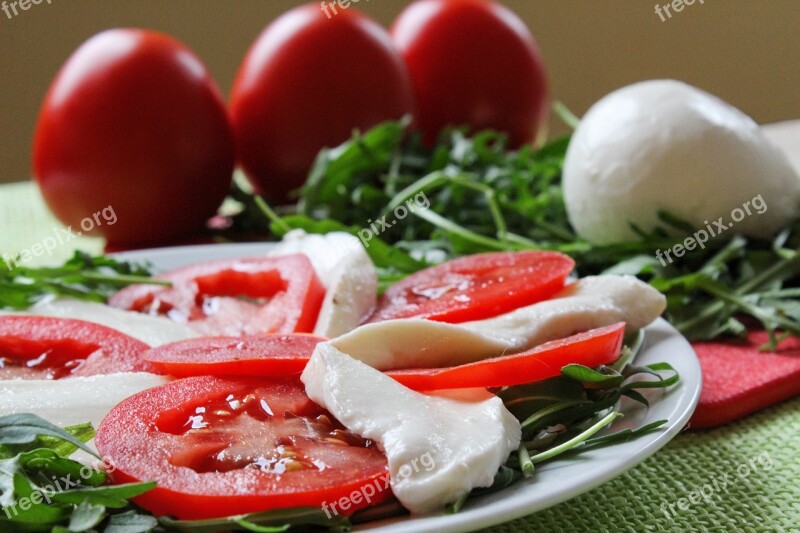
(665, 145)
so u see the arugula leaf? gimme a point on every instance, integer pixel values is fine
(83, 432)
(484, 197)
(522, 400)
(47, 464)
(622, 436)
(562, 415)
(82, 277)
(601, 378)
(249, 526)
(130, 522)
(27, 428)
(332, 172)
(113, 496)
(86, 516)
(41, 489)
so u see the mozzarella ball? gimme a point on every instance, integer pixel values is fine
(665, 145)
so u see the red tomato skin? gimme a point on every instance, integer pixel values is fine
(290, 281)
(474, 63)
(306, 83)
(496, 283)
(128, 439)
(600, 346)
(105, 350)
(262, 356)
(134, 121)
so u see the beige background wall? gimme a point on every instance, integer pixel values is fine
(746, 51)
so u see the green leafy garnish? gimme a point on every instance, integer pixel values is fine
(484, 197)
(562, 416)
(83, 277)
(548, 420)
(22, 429)
(42, 489)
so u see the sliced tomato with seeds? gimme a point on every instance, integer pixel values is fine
(476, 287)
(248, 296)
(600, 346)
(262, 356)
(218, 447)
(37, 347)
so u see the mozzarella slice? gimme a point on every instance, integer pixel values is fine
(346, 272)
(151, 330)
(591, 302)
(72, 401)
(438, 448)
(413, 343)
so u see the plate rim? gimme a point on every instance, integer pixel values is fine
(493, 513)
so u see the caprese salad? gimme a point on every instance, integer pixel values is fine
(282, 390)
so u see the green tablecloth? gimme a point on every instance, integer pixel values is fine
(765, 499)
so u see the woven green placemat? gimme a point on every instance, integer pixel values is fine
(762, 495)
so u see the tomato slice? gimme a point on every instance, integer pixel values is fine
(37, 347)
(475, 287)
(235, 297)
(592, 348)
(263, 356)
(219, 447)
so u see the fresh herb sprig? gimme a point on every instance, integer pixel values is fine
(82, 277)
(484, 197)
(563, 414)
(42, 489)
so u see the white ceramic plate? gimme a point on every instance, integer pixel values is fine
(556, 481)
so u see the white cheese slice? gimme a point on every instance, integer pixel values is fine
(437, 448)
(591, 302)
(411, 343)
(72, 401)
(151, 330)
(346, 272)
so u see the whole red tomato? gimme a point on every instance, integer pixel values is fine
(133, 136)
(474, 63)
(307, 82)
